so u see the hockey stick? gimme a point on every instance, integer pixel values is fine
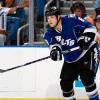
(9, 69)
(12, 68)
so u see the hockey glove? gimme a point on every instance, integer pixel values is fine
(56, 54)
(85, 40)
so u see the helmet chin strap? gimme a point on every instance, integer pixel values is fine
(57, 21)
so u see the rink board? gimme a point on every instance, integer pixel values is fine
(38, 81)
(36, 99)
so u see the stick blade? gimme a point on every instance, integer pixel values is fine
(2, 71)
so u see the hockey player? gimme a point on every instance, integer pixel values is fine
(74, 38)
(78, 8)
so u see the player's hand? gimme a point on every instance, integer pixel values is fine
(56, 54)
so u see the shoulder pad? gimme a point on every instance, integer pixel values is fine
(81, 19)
(71, 16)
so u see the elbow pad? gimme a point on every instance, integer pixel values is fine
(86, 39)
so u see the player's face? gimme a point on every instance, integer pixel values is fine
(98, 24)
(0, 4)
(52, 20)
(9, 2)
(78, 12)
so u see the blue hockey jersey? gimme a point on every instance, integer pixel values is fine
(67, 39)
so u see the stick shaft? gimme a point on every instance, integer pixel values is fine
(9, 69)
(66, 51)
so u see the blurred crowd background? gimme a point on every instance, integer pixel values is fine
(17, 22)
